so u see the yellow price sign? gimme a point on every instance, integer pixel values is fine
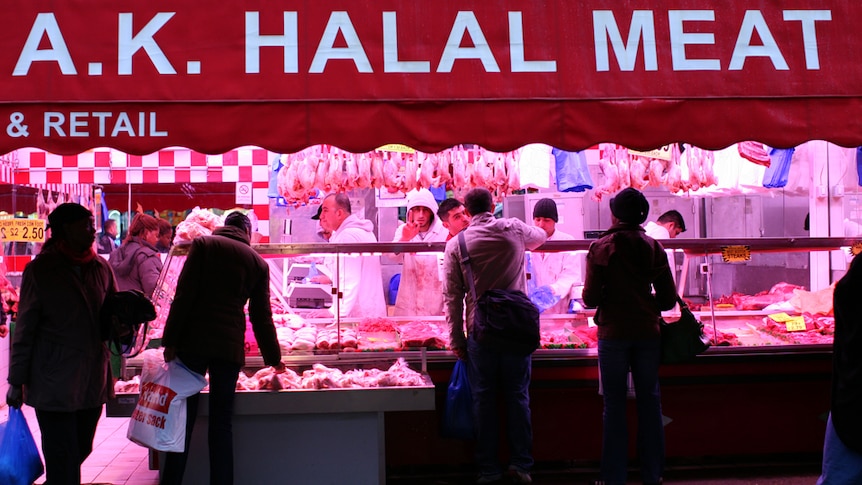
(795, 324)
(736, 254)
(856, 248)
(781, 317)
(662, 153)
(396, 147)
(22, 230)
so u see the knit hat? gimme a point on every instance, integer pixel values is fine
(546, 208)
(422, 198)
(630, 206)
(64, 214)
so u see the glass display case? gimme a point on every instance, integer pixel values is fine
(750, 293)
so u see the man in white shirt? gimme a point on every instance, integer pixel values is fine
(560, 271)
(669, 225)
(360, 280)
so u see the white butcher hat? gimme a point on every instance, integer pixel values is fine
(422, 198)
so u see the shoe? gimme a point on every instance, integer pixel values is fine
(517, 476)
(490, 478)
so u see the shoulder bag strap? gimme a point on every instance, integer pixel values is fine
(465, 263)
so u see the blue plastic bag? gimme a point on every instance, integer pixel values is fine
(458, 416)
(778, 171)
(573, 174)
(20, 463)
(543, 297)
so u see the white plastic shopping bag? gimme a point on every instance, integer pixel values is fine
(159, 418)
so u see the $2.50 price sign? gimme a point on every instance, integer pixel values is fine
(22, 230)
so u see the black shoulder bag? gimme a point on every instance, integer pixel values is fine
(682, 340)
(125, 315)
(504, 320)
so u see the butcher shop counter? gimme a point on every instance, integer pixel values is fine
(314, 436)
(309, 437)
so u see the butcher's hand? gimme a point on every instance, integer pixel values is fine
(409, 231)
(4, 330)
(170, 354)
(15, 396)
(280, 368)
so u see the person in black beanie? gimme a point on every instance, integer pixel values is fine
(623, 267)
(553, 275)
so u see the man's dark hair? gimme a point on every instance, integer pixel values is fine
(446, 206)
(478, 200)
(342, 201)
(238, 219)
(673, 216)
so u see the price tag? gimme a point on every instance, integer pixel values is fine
(795, 324)
(736, 254)
(396, 147)
(662, 153)
(780, 317)
(22, 230)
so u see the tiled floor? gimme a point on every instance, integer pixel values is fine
(117, 461)
(114, 460)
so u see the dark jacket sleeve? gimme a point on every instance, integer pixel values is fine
(665, 288)
(260, 315)
(187, 292)
(594, 279)
(149, 269)
(26, 329)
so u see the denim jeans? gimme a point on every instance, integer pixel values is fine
(222, 387)
(841, 465)
(616, 357)
(493, 374)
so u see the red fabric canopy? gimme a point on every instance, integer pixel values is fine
(143, 75)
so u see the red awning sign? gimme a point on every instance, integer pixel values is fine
(140, 76)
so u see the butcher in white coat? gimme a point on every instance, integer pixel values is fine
(561, 271)
(360, 280)
(420, 291)
(669, 225)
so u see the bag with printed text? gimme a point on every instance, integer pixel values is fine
(159, 418)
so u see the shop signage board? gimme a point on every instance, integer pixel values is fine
(140, 76)
(22, 230)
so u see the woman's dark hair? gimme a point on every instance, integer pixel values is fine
(141, 224)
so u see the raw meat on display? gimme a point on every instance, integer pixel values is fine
(423, 334)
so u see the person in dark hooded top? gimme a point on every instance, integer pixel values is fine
(623, 269)
(137, 263)
(205, 329)
(59, 360)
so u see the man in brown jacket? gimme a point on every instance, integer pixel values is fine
(205, 329)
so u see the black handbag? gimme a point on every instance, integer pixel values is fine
(682, 340)
(125, 315)
(504, 320)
